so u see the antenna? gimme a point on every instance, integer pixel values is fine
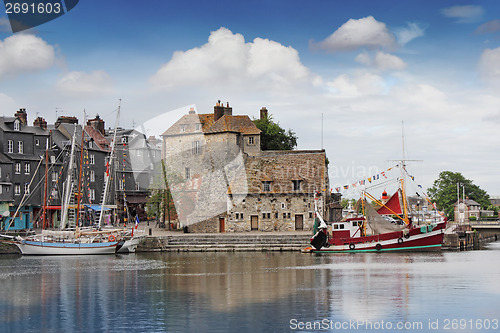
(321, 130)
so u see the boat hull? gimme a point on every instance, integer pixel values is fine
(416, 240)
(129, 246)
(28, 247)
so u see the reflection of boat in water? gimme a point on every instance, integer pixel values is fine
(371, 232)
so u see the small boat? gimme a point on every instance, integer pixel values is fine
(371, 232)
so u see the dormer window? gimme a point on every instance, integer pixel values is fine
(251, 140)
(17, 125)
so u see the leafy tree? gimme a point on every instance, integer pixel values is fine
(161, 202)
(444, 192)
(273, 137)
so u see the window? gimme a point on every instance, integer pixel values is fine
(251, 140)
(27, 168)
(10, 146)
(187, 173)
(37, 142)
(284, 215)
(183, 128)
(20, 147)
(296, 184)
(197, 127)
(52, 159)
(0, 172)
(17, 189)
(92, 175)
(18, 168)
(90, 144)
(266, 186)
(196, 149)
(310, 215)
(27, 188)
(1, 189)
(54, 176)
(124, 139)
(92, 159)
(92, 194)
(17, 125)
(138, 153)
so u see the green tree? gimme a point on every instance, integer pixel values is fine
(444, 192)
(273, 137)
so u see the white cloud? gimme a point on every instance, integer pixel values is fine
(227, 60)
(381, 61)
(489, 67)
(96, 83)
(23, 53)
(386, 61)
(357, 85)
(464, 14)
(366, 32)
(405, 35)
(489, 27)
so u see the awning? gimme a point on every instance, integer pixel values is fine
(97, 207)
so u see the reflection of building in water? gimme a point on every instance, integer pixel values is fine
(228, 184)
(231, 282)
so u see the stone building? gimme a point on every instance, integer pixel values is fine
(222, 181)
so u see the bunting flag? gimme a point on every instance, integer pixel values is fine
(383, 174)
(346, 187)
(337, 189)
(370, 179)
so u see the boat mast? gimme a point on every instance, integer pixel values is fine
(80, 173)
(69, 182)
(110, 163)
(46, 180)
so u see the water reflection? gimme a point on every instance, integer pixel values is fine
(242, 291)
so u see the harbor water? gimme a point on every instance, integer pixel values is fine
(252, 292)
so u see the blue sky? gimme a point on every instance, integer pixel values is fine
(365, 65)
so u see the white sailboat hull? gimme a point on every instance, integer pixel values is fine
(28, 247)
(130, 245)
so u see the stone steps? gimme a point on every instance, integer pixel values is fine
(226, 243)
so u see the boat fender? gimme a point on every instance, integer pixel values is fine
(400, 240)
(407, 235)
(352, 246)
(111, 238)
(378, 246)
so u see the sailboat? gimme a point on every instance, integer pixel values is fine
(371, 232)
(68, 241)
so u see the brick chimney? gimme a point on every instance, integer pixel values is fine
(228, 111)
(263, 113)
(192, 111)
(40, 122)
(66, 120)
(218, 110)
(97, 123)
(22, 115)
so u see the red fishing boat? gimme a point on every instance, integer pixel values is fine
(374, 231)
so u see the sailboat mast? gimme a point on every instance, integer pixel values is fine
(110, 163)
(68, 182)
(46, 180)
(80, 173)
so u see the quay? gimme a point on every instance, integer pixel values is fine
(175, 241)
(462, 237)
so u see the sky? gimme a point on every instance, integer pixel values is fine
(347, 76)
